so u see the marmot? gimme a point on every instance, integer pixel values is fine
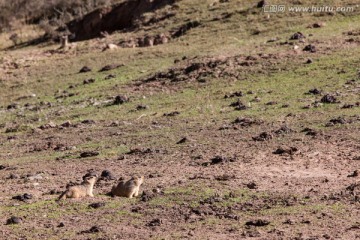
(82, 190)
(128, 189)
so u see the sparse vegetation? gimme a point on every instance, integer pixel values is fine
(166, 113)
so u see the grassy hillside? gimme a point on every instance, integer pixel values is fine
(247, 191)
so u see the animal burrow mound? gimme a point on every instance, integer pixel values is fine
(198, 69)
(109, 19)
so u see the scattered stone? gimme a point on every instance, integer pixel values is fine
(246, 122)
(263, 137)
(85, 69)
(172, 114)
(356, 173)
(110, 76)
(88, 121)
(224, 177)
(155, 222)
(107, 175)
(297, 36)
(271, 103)
(93, 229)
(317, 25)
(252, 185)
(338, 120)
(97, 205)
(309, 61)
(141, 107)
(238, 105)
(61, 225)
(310, 48)
(310, 132)
(88, 81)
(48, 125)
(183, 140)
(284, 130)
(286, 150)
(328, 99)
(147, 196)
(12, 106)
(14, 220)
(23, 197)
(220, 159)
(234, 94)
(89, 154)
(314, 91)
(120, 99)
(110, 67)
(261, 4)
(257, 223)
(66, 124)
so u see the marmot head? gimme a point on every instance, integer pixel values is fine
(90, 179)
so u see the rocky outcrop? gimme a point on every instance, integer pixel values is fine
(110, 19)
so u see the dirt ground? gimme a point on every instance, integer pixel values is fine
(233, 143)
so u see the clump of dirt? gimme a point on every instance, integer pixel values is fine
(110, 67)
(310, 48)
(120, 99)
(13, 220)
(238, 105)
(88, 81)
(97, 205)
(314, 91)
(284, 130)
(264, 136)
(257, 223)
(246, 122)
(23, 197)
(328, 98)
(171, 114)
(220, 159)
(93, 229)
(89, 154)
(297, 36)
(106, 175)
(85, 69)
(234, 94)
(286, 150)
(310, 132)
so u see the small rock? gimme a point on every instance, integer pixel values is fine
(328, 99)
(310, 48)
(66, 124)
(183, 140)
(96, 205)
(85, 69)
(297, 36)
(257, 223)
(309, 61)
(14, 220)
(263, 137)
(89, 154)
(88, 81)
(356, 173)
(154, 222)
(120, 99)
(252, 185)
(110, 76)
(171, 114)
(107, 175)
(61, 225)
(110, 67)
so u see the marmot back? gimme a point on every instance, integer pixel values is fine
(128, 189)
